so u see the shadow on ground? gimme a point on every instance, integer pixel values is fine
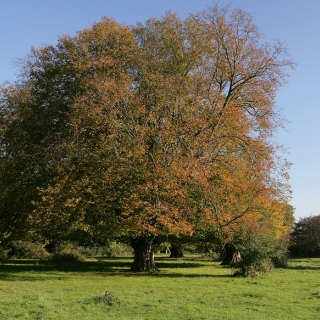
(35, 270)
(305, 263)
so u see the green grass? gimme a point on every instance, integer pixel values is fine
(189, 288)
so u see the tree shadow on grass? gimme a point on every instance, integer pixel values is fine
(170, 265)
(46, 277)
(12, 270)
(303, 264)
(314, 268)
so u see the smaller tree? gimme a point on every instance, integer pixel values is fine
(305, 238)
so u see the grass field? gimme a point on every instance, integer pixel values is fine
(189, 288)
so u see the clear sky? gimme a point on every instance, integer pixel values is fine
(26, 23)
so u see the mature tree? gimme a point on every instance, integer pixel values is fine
(305, 237)
(148, 132)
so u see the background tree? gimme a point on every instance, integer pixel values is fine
(305, 237)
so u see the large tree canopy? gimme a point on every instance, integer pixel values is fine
(144, 132)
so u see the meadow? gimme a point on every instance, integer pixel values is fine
(191, 288)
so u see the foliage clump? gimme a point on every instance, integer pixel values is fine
(259, 256)
(66, 252)
(112, 249)
(26, 250)
(3, 253)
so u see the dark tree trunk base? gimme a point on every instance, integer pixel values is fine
(176, 251)
(229, 255)
(144, 249)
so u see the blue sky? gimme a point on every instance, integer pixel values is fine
(26, 23)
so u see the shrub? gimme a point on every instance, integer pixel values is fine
(3, 254)
(258, 256)
(26, 250)
(118, 249)
(66, 256)
(94, 251)
(253, 267)
(281, 252)
(65, 252)
(113, 249)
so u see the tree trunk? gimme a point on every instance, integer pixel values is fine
(176, 251)
(229, 255)
(228, 250)
(144, 249)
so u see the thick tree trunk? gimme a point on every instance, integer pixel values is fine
(229, 255)
(144, 249)
(176, 251)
